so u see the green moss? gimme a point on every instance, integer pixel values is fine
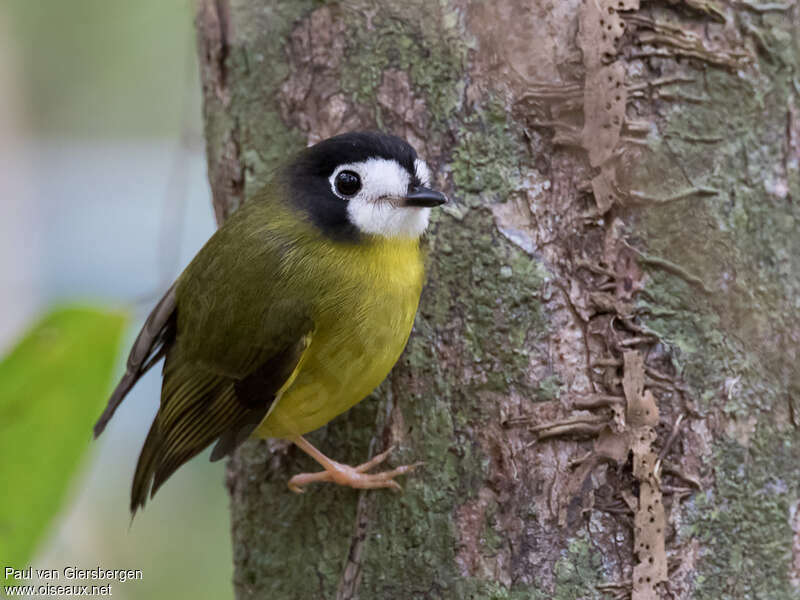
(743, 521)
(732, 332)
(492, 542)
(578, 572)
(549, 388)
(489, 159)
(256, 68)
(502, 317)
(418, 37)
(742, 242)
(271, 568)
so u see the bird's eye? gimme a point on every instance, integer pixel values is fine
(347, 183)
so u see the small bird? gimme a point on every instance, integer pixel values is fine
(294, 310)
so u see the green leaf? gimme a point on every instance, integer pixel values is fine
(53, 385)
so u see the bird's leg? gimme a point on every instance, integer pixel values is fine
(356, 477)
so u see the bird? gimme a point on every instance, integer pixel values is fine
(294, 310)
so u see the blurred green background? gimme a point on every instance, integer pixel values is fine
(103, 199)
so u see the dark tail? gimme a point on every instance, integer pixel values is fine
(145, 468)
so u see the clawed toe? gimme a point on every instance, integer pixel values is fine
(355, 477)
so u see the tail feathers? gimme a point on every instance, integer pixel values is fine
(199, 416)
(146, 468)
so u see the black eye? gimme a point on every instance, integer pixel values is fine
(347, 183)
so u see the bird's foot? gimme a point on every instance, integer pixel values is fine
(355, 477)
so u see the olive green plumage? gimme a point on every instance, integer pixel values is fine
(293, 311)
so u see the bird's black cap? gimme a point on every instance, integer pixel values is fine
(353, 147)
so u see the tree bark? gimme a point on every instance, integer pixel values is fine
(602, 379)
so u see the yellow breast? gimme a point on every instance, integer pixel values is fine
(365, 308)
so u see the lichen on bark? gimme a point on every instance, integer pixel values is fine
(736, 345)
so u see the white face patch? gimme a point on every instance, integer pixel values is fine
(379, 206)
(423, 172)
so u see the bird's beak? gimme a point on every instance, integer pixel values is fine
(422, 196)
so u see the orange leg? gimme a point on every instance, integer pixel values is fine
(356, 477)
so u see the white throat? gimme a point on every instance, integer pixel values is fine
(379, 206)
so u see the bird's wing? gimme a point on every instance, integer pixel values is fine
(241, 327)
(199, 407)
(150, 346)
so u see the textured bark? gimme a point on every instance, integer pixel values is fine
(602, 379)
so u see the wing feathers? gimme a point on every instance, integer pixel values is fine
(150, 345)
(199, 406)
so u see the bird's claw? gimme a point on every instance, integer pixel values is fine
(355, 477)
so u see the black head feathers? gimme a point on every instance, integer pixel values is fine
(322, 158)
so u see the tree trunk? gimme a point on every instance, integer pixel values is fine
(602, 378)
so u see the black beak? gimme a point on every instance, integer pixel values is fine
(422, 196)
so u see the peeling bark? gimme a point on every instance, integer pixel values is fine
(602, 379)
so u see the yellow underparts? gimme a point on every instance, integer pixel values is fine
(367, 297)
